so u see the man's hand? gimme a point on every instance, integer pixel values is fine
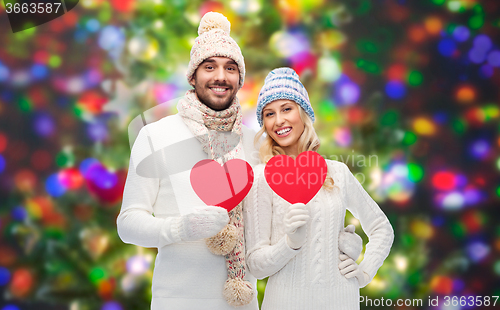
(350, 269)
(295, 221)
(203, 223)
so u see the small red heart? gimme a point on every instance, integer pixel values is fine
(296, 180)
(224, 186)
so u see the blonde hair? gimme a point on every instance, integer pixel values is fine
(308, 141)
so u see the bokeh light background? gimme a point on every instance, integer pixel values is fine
(406, 93)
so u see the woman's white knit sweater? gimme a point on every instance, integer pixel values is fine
(309, 278)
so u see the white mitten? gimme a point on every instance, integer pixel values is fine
(350, 269)
(204, 222)
(350, 243)
(295, 221)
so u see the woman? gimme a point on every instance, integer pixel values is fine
(297, 246)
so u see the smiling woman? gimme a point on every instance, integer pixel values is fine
(304, 249)
(284, 125)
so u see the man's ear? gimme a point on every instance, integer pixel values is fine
(192, 81)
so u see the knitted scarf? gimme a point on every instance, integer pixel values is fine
(207, 126)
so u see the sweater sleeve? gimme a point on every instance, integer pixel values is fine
(373, 221)
(136, 223)
(263, 259)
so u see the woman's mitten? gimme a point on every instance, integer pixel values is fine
(350, 243)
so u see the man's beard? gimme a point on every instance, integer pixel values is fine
(204, 98)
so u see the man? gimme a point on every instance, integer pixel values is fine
(191, 271)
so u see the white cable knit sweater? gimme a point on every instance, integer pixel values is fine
(309, 278)
(186, 274)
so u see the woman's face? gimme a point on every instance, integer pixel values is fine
(283, 124)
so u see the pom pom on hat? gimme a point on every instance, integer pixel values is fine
(214, 41)
(214, 20)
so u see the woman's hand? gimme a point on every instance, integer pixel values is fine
(350, 269)
(350, 243)
(295, 221)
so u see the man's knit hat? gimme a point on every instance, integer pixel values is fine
(214, 40)
(283, 83)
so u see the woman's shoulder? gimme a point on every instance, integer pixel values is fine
(335, 164)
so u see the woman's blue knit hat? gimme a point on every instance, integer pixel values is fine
(283, 83)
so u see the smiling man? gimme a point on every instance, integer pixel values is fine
(216, 82)
(200, 262)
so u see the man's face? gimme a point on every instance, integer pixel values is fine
(216, 82)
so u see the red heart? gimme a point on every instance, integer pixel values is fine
(296, 180)
(224, 186)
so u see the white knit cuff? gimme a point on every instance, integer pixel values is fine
(170, 231)
(369, 268)
(285, 251)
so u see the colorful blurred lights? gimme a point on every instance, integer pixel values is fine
(112, 305)
(395, 90)
(480, 149)
(415, 78)
(44, 124)
(39, 71)
(111, 37)
(86, 164)
(478, 251)
(22, 282)
(444, 180)
(422, 229)
(496, 267)
(400, 170)
(397, 72)
(482, 43)
(415, 172)
(477, 56)
(466, 94)
(2, 163)
(486, 71)
(494, 58)
(4, 276)
(461, 33)
(328, 69)
(472, 196)
(423, 126)
(19, 213)
(401, 263)
(287, 44)
(53, 186)
(447, 47)
(93, 25)
(4, 73)
(453, 201)
(342, 136)
(454, 5)
(433, 25)
(348, 92)
(97, 131)
(442, 285)
(137, 265)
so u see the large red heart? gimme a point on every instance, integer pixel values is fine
(296, 180)
(224, 186)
